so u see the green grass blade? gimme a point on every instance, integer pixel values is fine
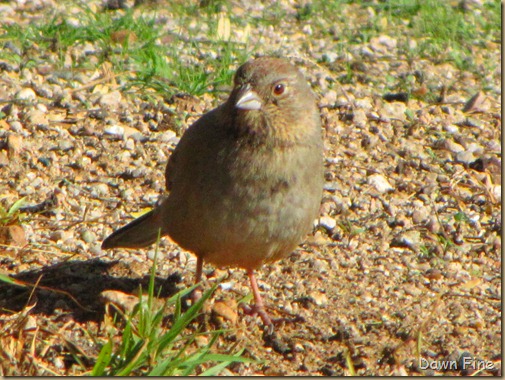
(16, 206)
(136, 359)
(185, 319)
(103, 360)
(225, 361)
(9, 280)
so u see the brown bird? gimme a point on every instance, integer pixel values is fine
(245, 181)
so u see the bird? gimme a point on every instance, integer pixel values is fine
(245, 181)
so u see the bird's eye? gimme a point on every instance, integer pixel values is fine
(279, 89)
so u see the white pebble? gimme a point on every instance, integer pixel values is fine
(167, 136)
(497, 192)
(380, 183)
(451, 128)
(115, 130)
(26, 94)
(227, 285)
(130, 144)
(388, 41)
(111, 99)
(100, 189)
(16, 126)
(327, 222)
(42, 107)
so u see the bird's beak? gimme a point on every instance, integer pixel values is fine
(248, 99)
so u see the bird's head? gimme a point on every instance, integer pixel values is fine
(271, 98)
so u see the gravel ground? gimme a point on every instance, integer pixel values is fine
(403, 267)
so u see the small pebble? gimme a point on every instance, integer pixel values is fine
(411, 238)
(14, 144)
(111, 99)
(58, 363)
(226, 310)
(88, 236)
(327, 222)
(30, 324)
(132, 132)
(451, 128)
(465, 157)
(59, 235)
(100, 189)
(380, 183)
(13, 235)
(16, 126)
(319, 298)
(394, 110)
(37, 117)
(65, 145)
(115, 130)
(453, 146)
(26, 94)
(419, 216)
(167, 136)
(130, 144)
(387, 41)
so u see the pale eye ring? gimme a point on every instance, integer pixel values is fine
(279, 89)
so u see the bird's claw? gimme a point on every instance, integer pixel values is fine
(255, 310)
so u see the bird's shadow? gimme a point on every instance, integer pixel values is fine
(74, 287)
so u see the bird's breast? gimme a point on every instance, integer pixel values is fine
(255, 202)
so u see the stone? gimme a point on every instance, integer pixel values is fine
(380, 183)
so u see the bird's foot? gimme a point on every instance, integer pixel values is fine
(270, 323)
(258, 310)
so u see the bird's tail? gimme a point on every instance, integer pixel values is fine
(139, 233)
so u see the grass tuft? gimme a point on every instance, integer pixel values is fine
(146, 348)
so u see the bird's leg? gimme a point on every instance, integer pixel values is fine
(197, 292)
(258, 308)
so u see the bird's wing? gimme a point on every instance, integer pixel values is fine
(194, 142)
